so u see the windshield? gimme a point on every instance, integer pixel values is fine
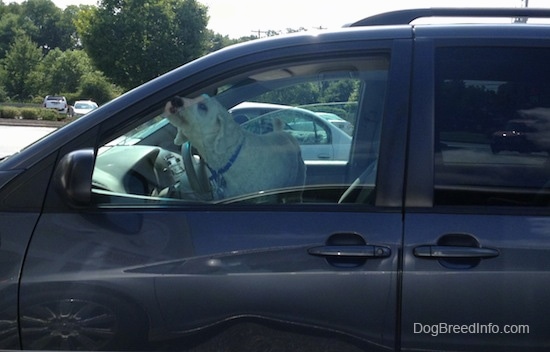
(84, 106)
(139, 133)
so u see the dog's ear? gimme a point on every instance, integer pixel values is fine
(278, 125)
(228, 132)
(220, 142)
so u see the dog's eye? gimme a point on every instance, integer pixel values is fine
(202, 107)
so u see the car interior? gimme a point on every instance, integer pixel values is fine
(143, 164)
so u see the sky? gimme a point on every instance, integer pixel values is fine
(237, 18)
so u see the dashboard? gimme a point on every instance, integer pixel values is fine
(138, 170)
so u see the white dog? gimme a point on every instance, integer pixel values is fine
(240, 162)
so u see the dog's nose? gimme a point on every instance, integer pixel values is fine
(177, 102)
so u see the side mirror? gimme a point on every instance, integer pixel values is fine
(73, 176)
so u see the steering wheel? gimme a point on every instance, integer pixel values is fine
(196, 172)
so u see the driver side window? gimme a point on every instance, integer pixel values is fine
(282, 135)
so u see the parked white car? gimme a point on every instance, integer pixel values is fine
(56, 102)
(318, 138)
(337, 121)
(82, 107)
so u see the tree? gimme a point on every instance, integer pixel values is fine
(70, 38)
(42, 21)
(96, 87)
(46, 19)
(217, 41)
(11, 24)
(61, 71)
(133, 41)
(338, 90)
(21, 60)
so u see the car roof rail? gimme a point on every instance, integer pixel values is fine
(407, 16)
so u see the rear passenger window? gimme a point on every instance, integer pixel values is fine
(492, 128)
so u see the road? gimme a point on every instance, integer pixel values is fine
(14, 138)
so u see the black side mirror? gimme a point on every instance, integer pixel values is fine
(73, 176)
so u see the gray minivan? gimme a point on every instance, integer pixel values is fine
(421, 239)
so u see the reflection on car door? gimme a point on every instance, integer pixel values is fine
(477, 277)
(193, 278)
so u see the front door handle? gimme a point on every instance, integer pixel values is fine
(439, 252)
(359, 251)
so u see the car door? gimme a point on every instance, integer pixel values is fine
(314, 137)
(317, 138)
(145, 261)
(477, 246)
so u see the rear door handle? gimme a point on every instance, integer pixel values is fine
(360, 251)
(454, 252)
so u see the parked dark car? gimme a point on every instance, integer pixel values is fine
(518, 136)
(421, 239)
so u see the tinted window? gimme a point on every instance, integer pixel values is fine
(492, 127)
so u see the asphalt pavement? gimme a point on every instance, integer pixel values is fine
(18, 133)
(14, 137)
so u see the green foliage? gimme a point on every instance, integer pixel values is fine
(134, 41)
(38, 100)
(319, 97)
(9, 112)
(22, 58)
(299, 94)
(61, 71)
(96, 87)
(339, 90)
(9, 27)
(309, 93)
(42, 21)
(29, 113)
(49, 114)
(126, 42)
(3, 94)
(48, 27)
(29, 31)
(217, 41)
(70, 38)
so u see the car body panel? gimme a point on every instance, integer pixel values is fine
(12, 254)
(518, 274)
(337, 121)
(493, 300)
(182, 274)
